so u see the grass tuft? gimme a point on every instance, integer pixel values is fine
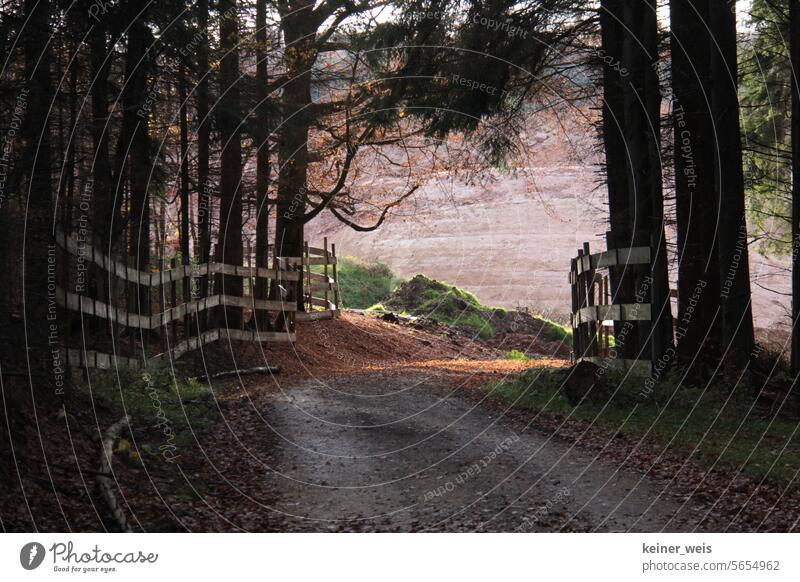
(362, 285)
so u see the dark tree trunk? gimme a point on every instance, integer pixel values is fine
(696, 202)
(642, 99)
(261, 290)
(229, 117)
(621, 280)
(734, 268)
(204, 195)
(794, 39)
(136, 144)
(105, 214)
(298, 32)
(184, 152)
(38, 271)
(67, 194)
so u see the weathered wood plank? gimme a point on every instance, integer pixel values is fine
(88, 306)
(132, 275)
(614, 312)
(611, 258)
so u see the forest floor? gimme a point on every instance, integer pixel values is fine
(370, 425)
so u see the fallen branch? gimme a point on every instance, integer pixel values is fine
(245, 372)
(104, 482)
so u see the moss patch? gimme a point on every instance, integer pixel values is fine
(447, 304)
(362, 285)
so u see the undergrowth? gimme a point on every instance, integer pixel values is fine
(715, 426)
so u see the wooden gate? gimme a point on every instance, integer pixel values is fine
(320, 282)
(594, 314)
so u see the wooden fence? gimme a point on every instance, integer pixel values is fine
(594, 314)
(157, 311)
(320, 282)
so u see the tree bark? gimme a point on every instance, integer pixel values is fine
(38, 249)
(794, 40)
(229, 117)
(105, 214)
(300, 53)
(261, 291)
(613, 128)
(184, 169)
(204, 195)
(734, 268)
(136, 144)
(642, 99)
(696, 201)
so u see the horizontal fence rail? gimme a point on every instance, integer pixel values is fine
(320, 286)
(95, 308)
(594, 314)
(158, 307)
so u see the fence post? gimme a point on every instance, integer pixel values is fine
(606, 301)
(307, 273)
(325, 268)
(573, 276)
(174, 299)
(581, 276)
(591, 334)
(335, 278)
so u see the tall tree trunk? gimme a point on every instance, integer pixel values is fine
(184, 166)
(621, 279)
(137, 147)
(734, 267)
(105, 212)
(298, 33)
(67, 194)
(261, 291)
(229, 116)
(38, 248)
(204, 195)
(696, 202)
(642, 100)
(794, 39)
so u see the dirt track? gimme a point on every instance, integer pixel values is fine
(384, 452)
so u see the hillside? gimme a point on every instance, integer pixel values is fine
(509, 239)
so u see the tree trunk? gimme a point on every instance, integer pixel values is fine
(261, 291)
(105, 216)
(229, 117)
(204, 195)
(42, 331)
(137, 147)
(184, 165)
(300, 54)
(621, 279)
(642, 99)
(696, 202)
(734, 268)
(794, 39)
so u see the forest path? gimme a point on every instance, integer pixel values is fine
(384, 451)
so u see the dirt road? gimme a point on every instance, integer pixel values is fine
(386, 452)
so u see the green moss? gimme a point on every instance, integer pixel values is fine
(362, 285)
(154, 399)
(516, 355)
(554, 331)
(474, 322)
(442, 302)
